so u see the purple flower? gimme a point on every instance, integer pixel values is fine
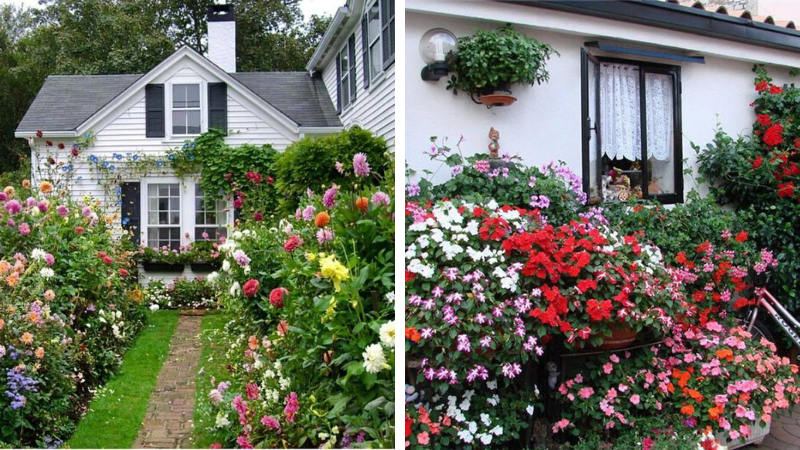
(3, 196)
(380, 198)
(308, 213)
(511, 370)
(324, 235)
(540, 201)
(12, 207)
(241, 258)
(360, 166)
(49, 259)
(30, 202)
(43, 206)
(456, 170)
(412, 190)
(463, 344)
(482, 166)
(339, 167)
(329, 198)
(62, 210)
(298, 214)
(24, 229)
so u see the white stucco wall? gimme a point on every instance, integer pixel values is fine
(545, 122)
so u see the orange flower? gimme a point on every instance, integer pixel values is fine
(252, 343)
(688, 410)
(713, 413)
(45, 187)
(2, 324)
(33, 316)
(283, 328)
(27, 338)
(412, 334)
(13, 279)
(4, 267)
(9, 190)
(322, 219)
(725, 353)
(694, 394)
(362, 204)
(26, 184)
(39, 353)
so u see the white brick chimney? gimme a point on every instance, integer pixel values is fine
(222, 37)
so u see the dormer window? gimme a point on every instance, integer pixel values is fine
(186, 110)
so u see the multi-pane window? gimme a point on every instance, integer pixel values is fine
(373, 40)
(209, 216)
(632, 131)
(185, 109)
(377, 28)
(164, 215)
(347, 73)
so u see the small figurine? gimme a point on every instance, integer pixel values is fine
(411, 394)
(494, 146)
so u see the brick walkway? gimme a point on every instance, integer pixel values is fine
(784, 434)
(168, 422)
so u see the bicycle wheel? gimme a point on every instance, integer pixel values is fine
(760, 329)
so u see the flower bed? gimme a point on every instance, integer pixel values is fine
(69, 307)
(311, 356)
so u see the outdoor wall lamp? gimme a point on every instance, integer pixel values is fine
(433, 48)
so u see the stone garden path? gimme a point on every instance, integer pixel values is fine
(168, 422)
(784, 434)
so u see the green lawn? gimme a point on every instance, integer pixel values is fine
(212, 364)
(116, 413)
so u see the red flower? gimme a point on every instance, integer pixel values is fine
(494, 229)
(763, 119)
(107, 259)
(757, 162)
(250, 288)
(270, 180)
(598, 310)
(742, 236)
(410, 276)
(409, 422)
(48, 143)
(74, 151)
(292, 243)
(61, 145)
(123, 272)
(39, 133)
(276, 297)
(775, 89)
(762, 86)
(258, 217)
(773, 135)
(237, 203)
(79, 230)
(786, 189)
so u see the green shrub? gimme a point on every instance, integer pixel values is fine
(311, 164)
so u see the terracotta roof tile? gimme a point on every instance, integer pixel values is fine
(741, 13)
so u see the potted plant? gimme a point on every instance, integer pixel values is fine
(487, 63)
(162, 260)
(204, 256)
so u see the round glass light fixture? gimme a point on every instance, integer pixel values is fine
(435, 44)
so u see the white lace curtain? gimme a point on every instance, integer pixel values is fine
(620, 125)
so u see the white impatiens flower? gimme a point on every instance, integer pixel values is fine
(374, 358)
(387, 334)
(417, 266)
(47, 272)
(38, 254)
(226, 266)
(529, 410)
(235, 288)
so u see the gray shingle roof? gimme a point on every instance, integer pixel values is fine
(303, 98)
(66, 101)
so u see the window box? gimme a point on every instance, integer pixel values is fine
(205, 266)
(153, 266)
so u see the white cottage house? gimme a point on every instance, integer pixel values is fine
(684, 66)
(186, 94)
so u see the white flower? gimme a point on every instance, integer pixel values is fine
(237, 235)
(222, 421)
(47, 272)
(226, 266)
(38, 254)
(154, 307)
(246, 270)
(465, 436)
(235, 288)
(528, 410)
(417, 266)
(492, 384)
(486, 420)
(387, 334)
(374, 358)
(212, 277)
(486, 439)
(390, 298)
(497, 431)
(473, 427)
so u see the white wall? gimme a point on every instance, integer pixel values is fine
(545, 122)
(374, 107)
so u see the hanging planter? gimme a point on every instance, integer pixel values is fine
(622, 335)
(489, 62)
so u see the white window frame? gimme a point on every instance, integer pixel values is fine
(344, 76)
(187, 207)
(203, 86)
(373, 42)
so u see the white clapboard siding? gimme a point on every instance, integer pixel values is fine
(374, 108)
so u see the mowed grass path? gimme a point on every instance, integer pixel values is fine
(116, 413)
(212, 364)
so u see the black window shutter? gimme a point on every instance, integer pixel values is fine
(387, 32)
(365, 48)
(130, 210)
(154, 110)
(351, 50)
(338, 84)
(218, 106)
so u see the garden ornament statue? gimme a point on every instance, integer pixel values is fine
(494, 145)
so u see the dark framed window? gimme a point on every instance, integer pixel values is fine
(631, 112)
(346, 73)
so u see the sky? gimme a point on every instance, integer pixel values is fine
(308, 7)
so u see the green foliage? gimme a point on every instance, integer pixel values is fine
(122, 403)
(489, 60)
(181, 293)
(212, 367)
(311, 164)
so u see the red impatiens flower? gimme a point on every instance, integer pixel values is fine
(757, 162)
(775, 89)
(250, 287)
(773, 135)
(598, 310)
(276, 296)
(763, 119)
(786, 189)
(762, 86)
(410, 276)
(494, 229)
(742, 236)
(409, 421)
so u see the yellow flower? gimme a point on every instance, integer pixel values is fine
(330, 313)
(333, 270)
(311, 256)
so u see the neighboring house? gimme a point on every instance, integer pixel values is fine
(686, 68)
(356, 59)
(184, 96)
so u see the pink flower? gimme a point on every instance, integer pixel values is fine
(243, 441)
(276, 296)
(270, 423)
(585, 393)
(292, 243)
(240, 405)
(250, 288)
(360, 165)
(62, 210)
(635, 399)
(423, 438)
(252, 391)
(12, 207)
(308, 213)
(324, 235)
(614, 358)
(608, 368)
(560, 425)
(292, 406)
(24, 229)
(329, 198)
(339, 167)
(380, 198)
